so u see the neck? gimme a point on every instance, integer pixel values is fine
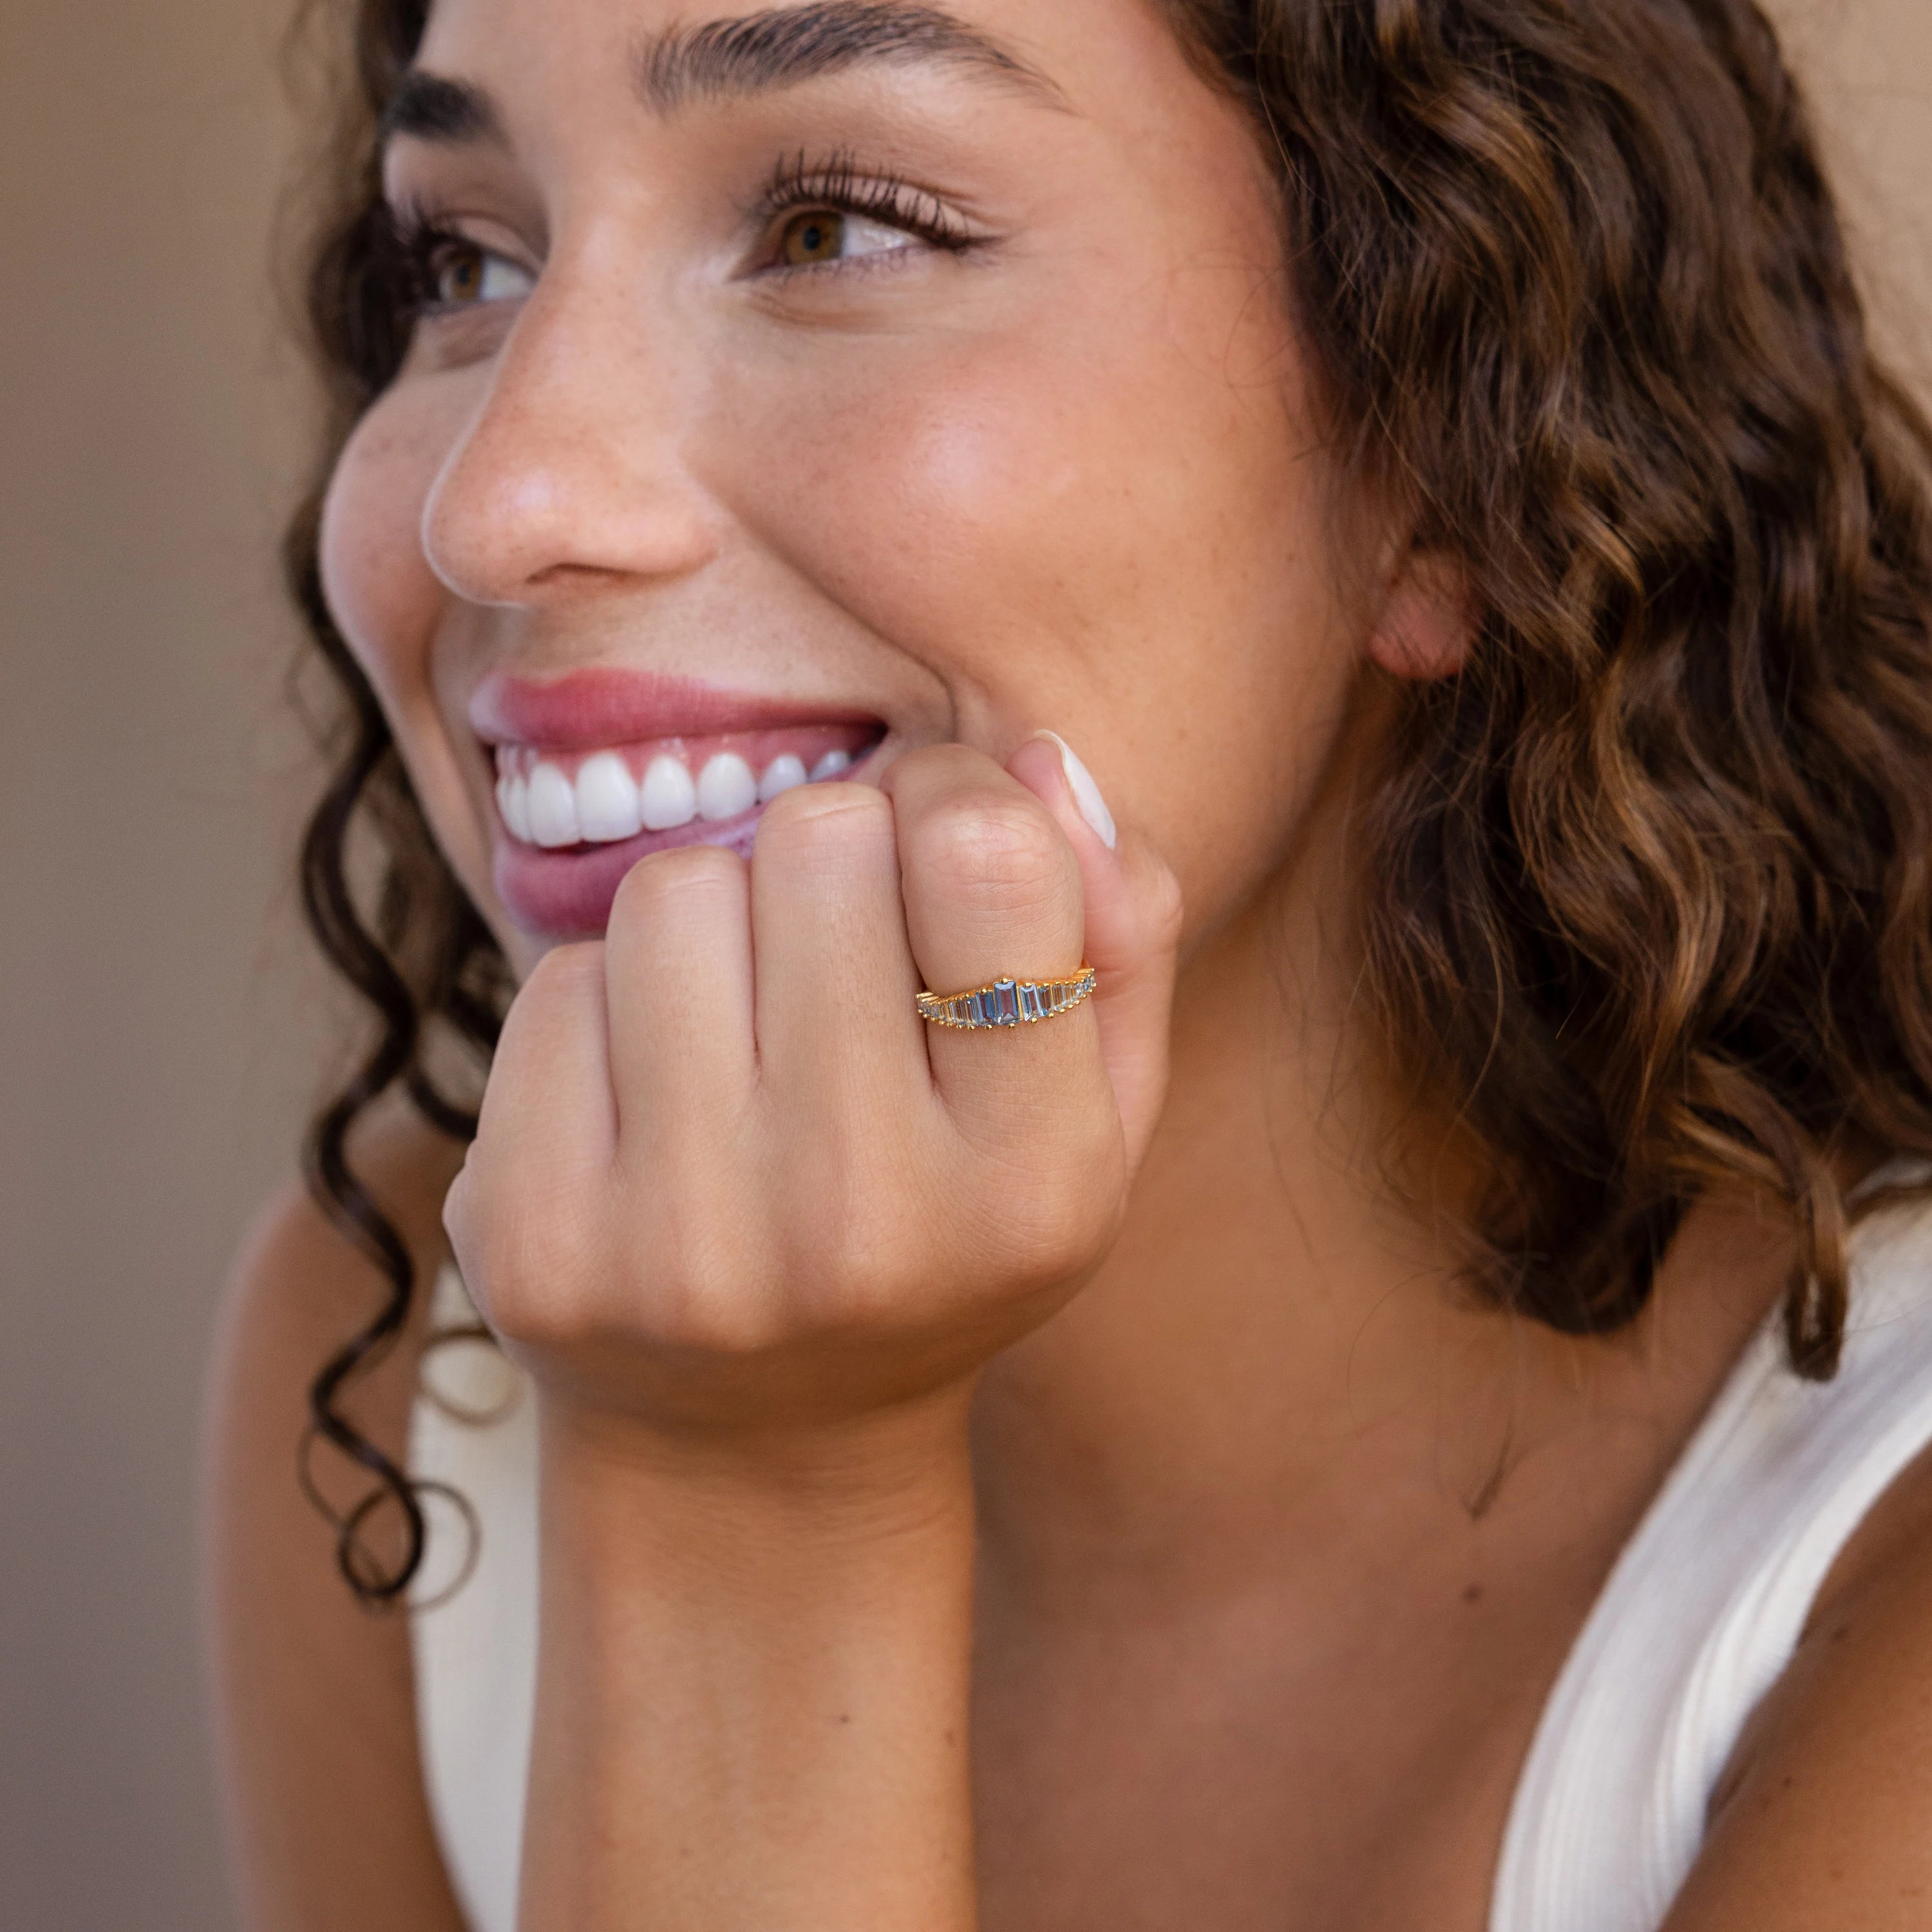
(1279, 1353)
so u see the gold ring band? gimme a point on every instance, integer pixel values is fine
(1008, 1003)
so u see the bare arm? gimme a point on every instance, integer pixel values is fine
(754, 1231)
(752, 1708)
(327, 1825)
(1824, 1818)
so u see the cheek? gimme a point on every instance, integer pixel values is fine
(391, 608)
(1114, 538)
(385, 598)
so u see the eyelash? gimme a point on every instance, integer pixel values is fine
(796, 184)
(422, 244)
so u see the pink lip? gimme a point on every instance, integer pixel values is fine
(585, 710)
(567, 893)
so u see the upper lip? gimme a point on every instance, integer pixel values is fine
(585, 710)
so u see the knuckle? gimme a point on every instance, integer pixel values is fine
(853, 1259)
(992, 847)
(1056, 1216)
(698, 1286)
(529, 1284)
(563, 975)
(719, 1327)
(686, 876)
(1045, 1239)
(548, 1324)
(527, 1234)
(823, 818)
(691, 1276)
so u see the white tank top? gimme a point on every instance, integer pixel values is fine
(1698, 1620)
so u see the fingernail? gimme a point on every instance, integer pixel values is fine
(1086, 793)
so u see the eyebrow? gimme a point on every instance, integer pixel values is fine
(732, 59)
(448, 113)
(757, 53)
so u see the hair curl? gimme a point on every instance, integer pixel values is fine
(1651, 880)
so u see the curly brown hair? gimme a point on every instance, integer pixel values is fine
(1650, 904)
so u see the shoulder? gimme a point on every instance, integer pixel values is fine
(314, 1702)
(294, 1262)
(301, 1288)
(1824, 1815)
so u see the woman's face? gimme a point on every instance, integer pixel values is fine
(804, 385)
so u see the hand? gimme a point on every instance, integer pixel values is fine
(726, 1180)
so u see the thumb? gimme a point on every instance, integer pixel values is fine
(1133, 929)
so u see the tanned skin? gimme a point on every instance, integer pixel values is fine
(1039, 1481)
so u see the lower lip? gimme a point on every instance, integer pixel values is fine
(568, 895)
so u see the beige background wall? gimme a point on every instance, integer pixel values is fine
(156, 1033)
(160, 1030)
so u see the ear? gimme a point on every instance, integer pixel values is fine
(1426, 625)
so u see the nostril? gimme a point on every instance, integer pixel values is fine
(565, 575)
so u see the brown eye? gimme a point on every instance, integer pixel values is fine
(459, 276)
(819, 236)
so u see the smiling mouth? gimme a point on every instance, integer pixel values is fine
(565, 803)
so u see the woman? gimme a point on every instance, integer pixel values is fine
(1396, 1399)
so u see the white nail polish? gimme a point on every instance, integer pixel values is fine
(553, 807)
(726, 788)
(669, 798)
(1086, 793)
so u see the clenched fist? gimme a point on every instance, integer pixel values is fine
(728, 1180)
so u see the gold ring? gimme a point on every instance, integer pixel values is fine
(1008, 1003)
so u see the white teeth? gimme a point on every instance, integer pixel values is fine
(552, 807)
(513, 801)
(605, 804)
(608, 806)
(727, 790)
(670, 799)
(781, 774)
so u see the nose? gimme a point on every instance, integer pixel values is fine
(571, 475)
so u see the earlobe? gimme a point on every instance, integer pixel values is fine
(1427, 623)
